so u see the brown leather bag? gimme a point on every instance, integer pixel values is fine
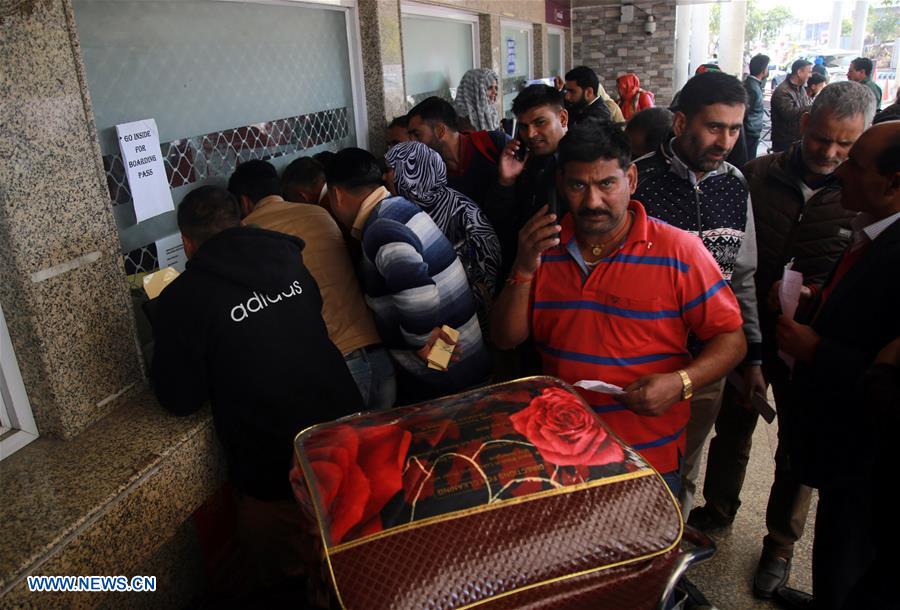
(511, 496)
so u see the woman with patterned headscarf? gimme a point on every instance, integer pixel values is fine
(476, 99)
(419, 175)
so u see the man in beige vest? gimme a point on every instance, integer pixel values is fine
(256, 186)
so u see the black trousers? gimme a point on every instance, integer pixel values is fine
(726, 466)
(844, 546)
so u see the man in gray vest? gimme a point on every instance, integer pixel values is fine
(799, 218)
(688, 183)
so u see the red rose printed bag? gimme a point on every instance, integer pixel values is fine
(510, 496)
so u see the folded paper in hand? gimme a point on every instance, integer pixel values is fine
(154, 283)
(595, 385)
(789, 298)
(439, 356)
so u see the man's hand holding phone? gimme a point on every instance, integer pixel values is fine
(539, 233)
(512, 160)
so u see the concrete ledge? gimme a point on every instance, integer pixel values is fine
(107, 502)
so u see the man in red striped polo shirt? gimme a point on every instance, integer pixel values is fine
(611, 294)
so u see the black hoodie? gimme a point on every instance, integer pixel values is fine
(242, 328)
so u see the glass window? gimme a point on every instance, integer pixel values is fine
(225, 82)
(515, 62)
(436, 54)
(555, 61)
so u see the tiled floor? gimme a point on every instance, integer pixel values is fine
(727, 579)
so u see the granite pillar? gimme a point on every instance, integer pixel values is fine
(489, 41)
(539, 51)
(62, 282)
(382, 67)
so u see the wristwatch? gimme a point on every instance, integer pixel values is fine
(687, 388)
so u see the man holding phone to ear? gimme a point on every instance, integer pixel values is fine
(609, 294)
(526, 176)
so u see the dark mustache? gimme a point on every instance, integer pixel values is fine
(588, 212)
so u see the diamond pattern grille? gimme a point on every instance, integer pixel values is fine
(217, 154)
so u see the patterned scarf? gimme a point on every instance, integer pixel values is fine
(472, 99)
(421, 177)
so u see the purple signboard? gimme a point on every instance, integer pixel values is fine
(558, 12)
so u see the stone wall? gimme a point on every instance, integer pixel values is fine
(612, 48)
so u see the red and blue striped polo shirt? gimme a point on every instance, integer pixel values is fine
(629, 318)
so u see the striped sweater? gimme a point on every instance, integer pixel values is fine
(628, 318)
(414, 282)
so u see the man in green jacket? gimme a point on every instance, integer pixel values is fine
(860, 71)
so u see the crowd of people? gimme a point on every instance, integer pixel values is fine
(602, 239)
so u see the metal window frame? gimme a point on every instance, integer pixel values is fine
(521, 25)
(563, 56)
(350, 9)
(17, 427)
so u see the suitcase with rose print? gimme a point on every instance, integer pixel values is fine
(510, 496)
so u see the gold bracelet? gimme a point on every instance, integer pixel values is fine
(687, 387)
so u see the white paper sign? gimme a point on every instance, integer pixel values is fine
(789, 297)
(595, 385)
(143, 160)
(170, 252)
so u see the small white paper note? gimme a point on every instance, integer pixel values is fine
(143, 160)
(789, 297)
(595, 385)
(170, 252)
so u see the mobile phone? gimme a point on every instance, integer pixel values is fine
(523, 148)
(553, 202)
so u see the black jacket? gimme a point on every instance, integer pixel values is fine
(481, 174)
(597, 110)
(788, 103)
(510, 207)
(831, 429)
(813, 233)
(891, 113)
(242, 328)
